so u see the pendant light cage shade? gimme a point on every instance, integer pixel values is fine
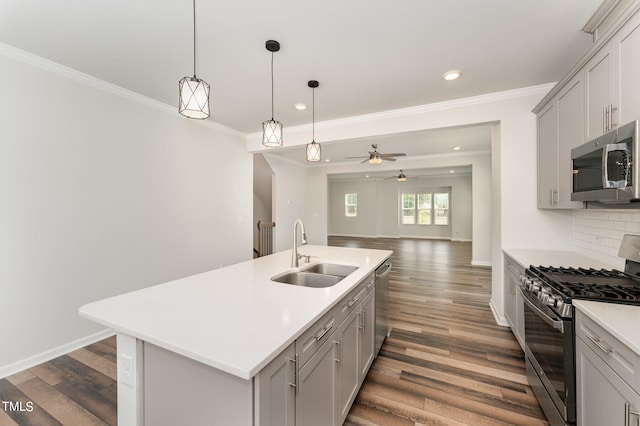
(313, 148)
(272, 133)
(272, 129)
(194, 98)
(193, 93)
(313, 152)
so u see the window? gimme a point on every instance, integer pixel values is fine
(442, 209)
(424, 209)
(351, 205)
(431, 208)
(408, 209)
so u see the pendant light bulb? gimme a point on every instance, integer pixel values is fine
(272, 129)
(193, 92)
(313, 148)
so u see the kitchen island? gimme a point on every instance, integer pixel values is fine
(209, 335)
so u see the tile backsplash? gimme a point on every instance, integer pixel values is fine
(598, 233)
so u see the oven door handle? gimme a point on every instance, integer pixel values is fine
(558, 325)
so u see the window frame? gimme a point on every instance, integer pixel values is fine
(353, 205)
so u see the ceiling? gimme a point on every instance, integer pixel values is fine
(369, 56)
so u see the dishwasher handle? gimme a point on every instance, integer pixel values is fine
(383, 270)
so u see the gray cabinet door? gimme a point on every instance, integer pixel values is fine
(275, 391)
(628, 43)
(599, 76)
(348, 372)
(571, 129)
(547, 156)
(315, 402)
(366, 335)
(603, 397)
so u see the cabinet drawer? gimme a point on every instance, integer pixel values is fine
(350, 301)
(617, 355)
(312, 339)
(513, 266)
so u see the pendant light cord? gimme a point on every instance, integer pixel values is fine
(194, 38)
(313, 117)
(272, 86)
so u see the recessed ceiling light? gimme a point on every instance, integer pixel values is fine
(452, 171)
(300, 107)
(456, 148)
(451, 75)
(326, 160)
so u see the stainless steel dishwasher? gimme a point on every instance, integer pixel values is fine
(382, 304)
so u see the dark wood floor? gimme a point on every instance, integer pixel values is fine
(446, 362)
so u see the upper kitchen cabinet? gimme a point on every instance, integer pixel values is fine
(627, 43)
(601, 102)
(560, 128)
(600, 93)
(613, 88)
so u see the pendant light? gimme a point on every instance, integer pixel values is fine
(313, 148)
(402, 177)
(271, 129)
(193, 92)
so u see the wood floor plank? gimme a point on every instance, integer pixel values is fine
(63, 408)
(445, 344)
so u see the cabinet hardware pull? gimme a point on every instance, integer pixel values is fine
(295, 373)
(628, 411)
(339, 359)
(352, 302)
(604, 120)
(322, 332)
(360, 320)
(611, 123)
(598, 342)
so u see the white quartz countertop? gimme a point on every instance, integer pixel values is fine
(528, 257)
(234, 318)
(619, 320)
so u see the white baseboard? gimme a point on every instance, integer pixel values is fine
(499, 320)
(486, 263)
(34, 360)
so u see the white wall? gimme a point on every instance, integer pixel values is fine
(103, 192)
(289, 197)
(378, 208)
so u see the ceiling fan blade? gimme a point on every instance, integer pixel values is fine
(355, 158)
(364, 161)
(388, 159)
(397, 154)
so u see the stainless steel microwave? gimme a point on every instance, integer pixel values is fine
(606, 168)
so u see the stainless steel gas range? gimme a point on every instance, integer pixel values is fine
(549, 327)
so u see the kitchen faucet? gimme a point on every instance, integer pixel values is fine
(294, 255)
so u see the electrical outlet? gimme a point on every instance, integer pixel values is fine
(126, 370)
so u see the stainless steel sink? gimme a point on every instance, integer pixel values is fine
(331, 269)
(318, 275)
(307, 279)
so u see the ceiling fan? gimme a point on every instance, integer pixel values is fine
(400, 178)
(375, 157)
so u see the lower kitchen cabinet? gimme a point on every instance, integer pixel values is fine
(315, 380)
(513, 304)
(605, 378)
(276, 390)
(315, 399)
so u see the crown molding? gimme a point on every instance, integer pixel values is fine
(538, 90)
(89, 80)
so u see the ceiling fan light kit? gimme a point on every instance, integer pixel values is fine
(375, 157)
(313, 148)
(272, 129)
(194, 92)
